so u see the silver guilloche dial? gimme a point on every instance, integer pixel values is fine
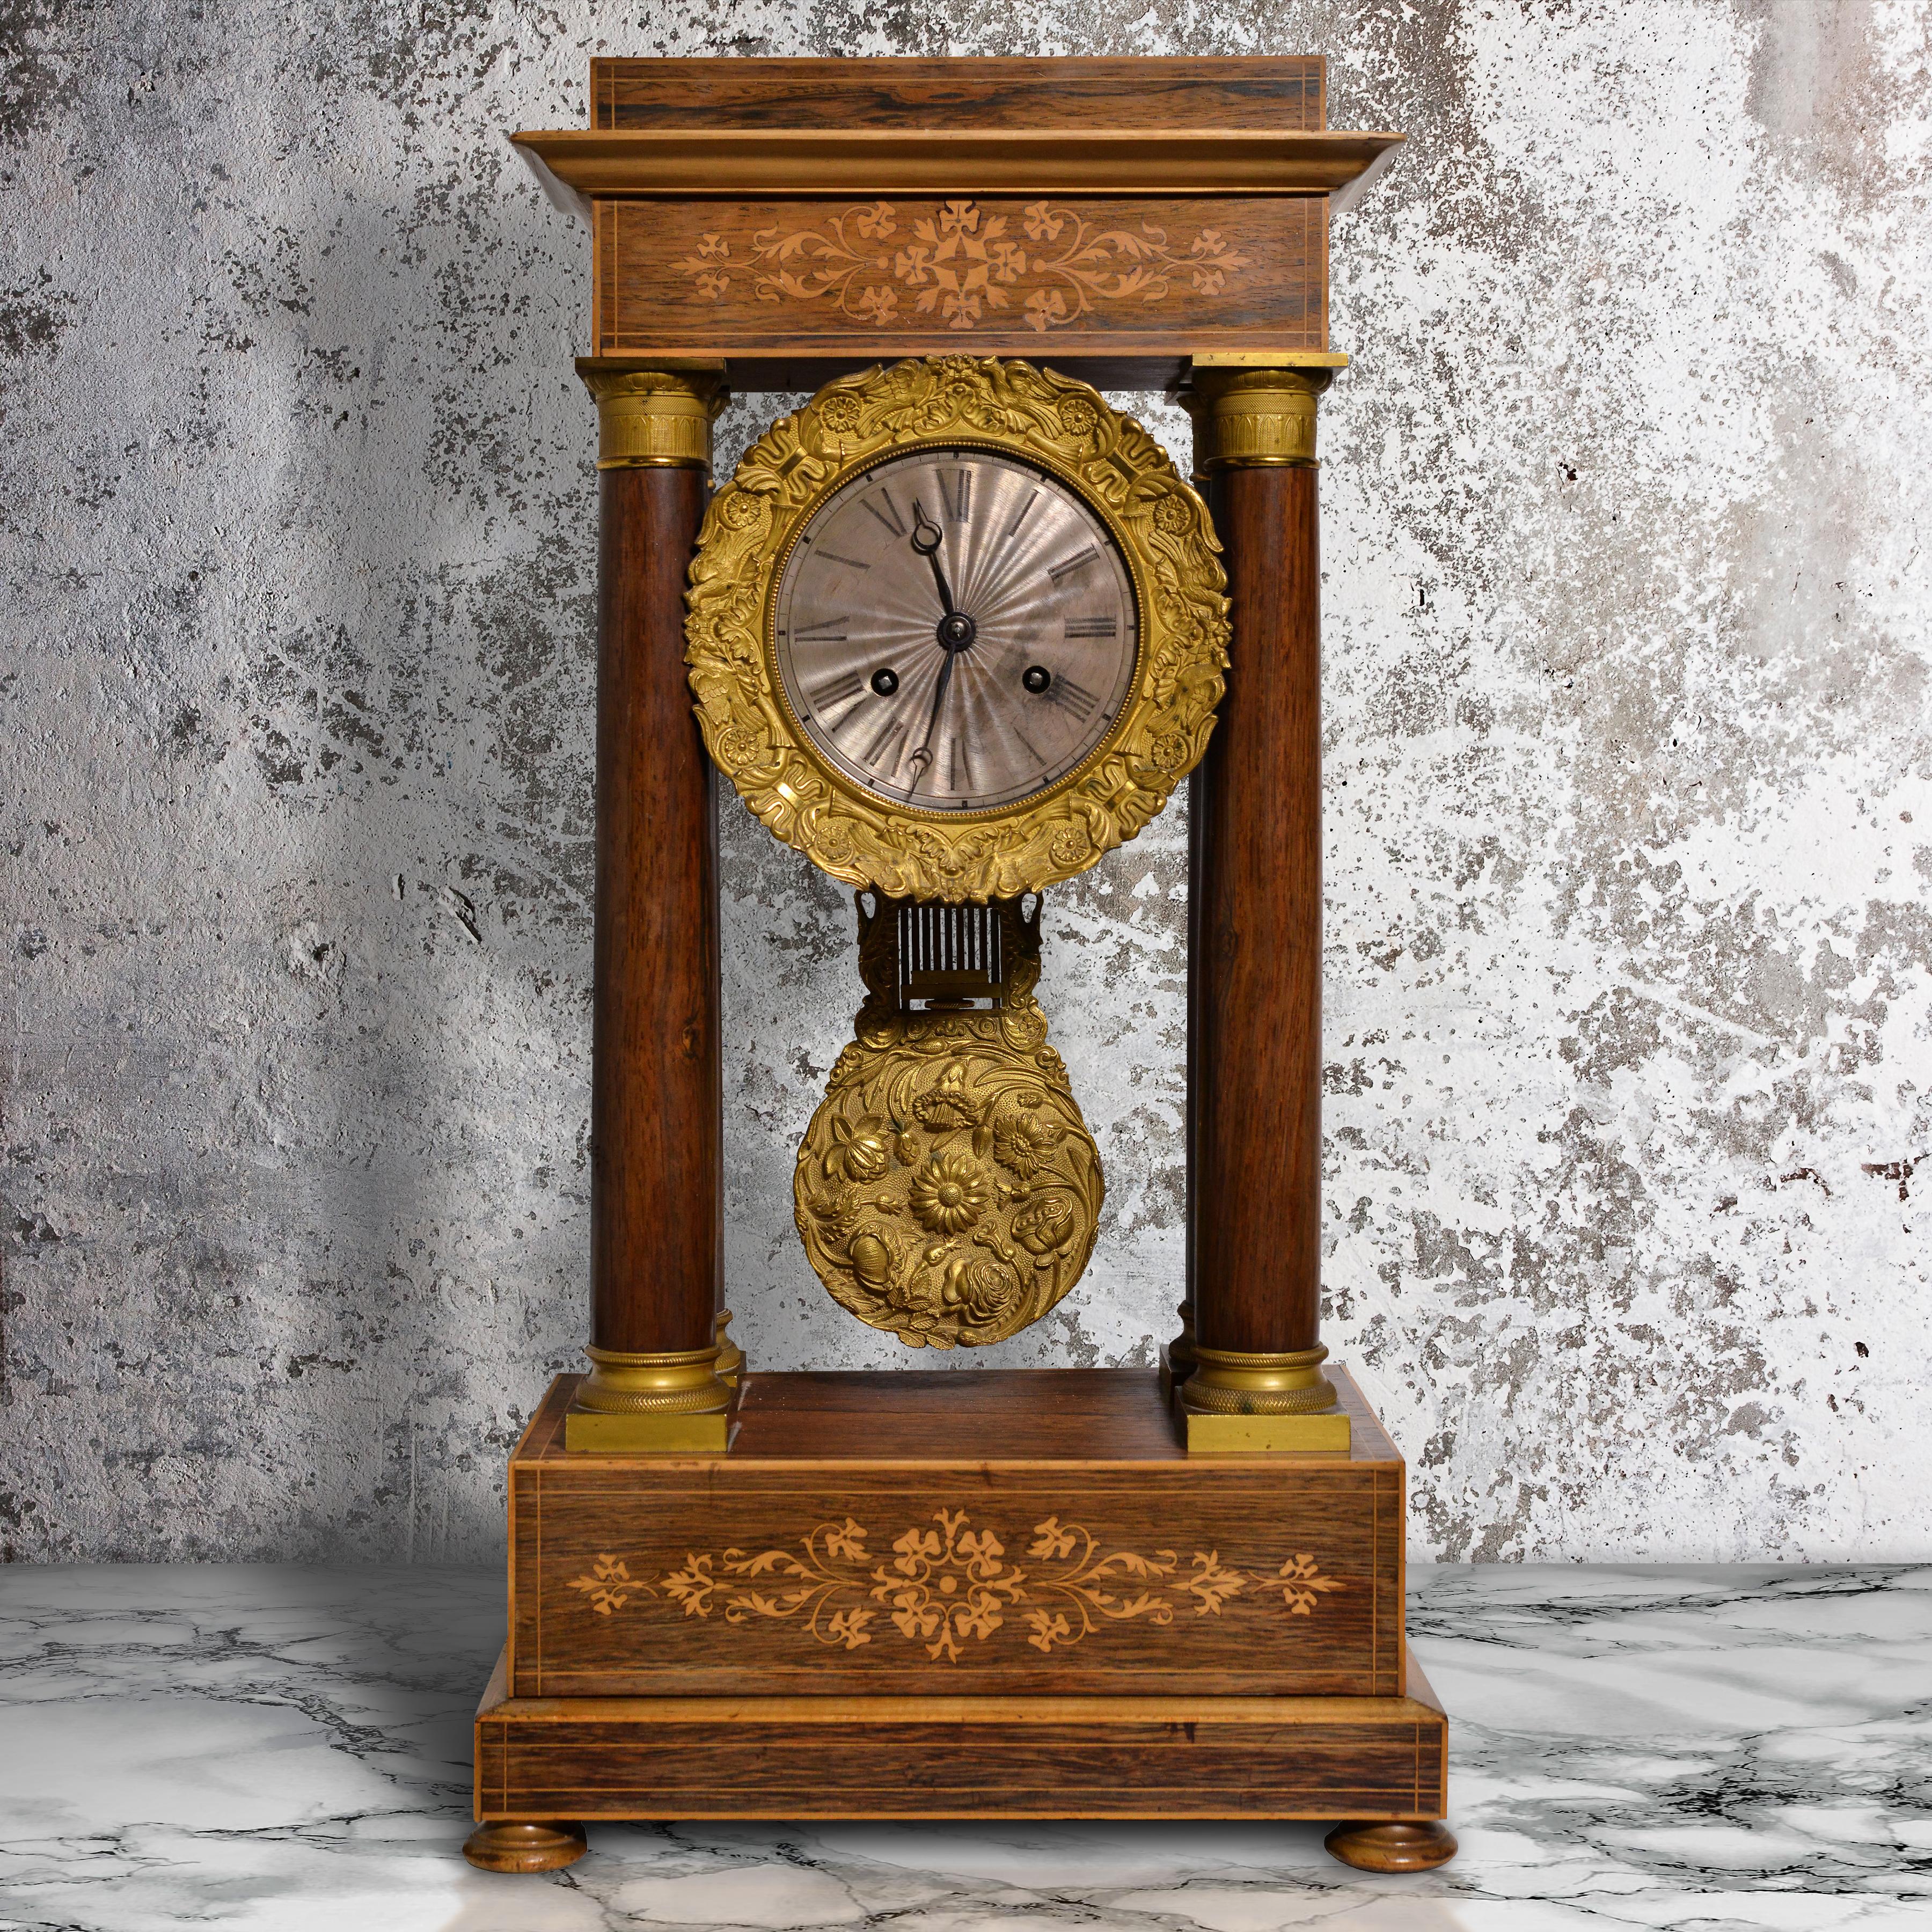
(955, 630)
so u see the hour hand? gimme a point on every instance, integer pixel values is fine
(923, 757)
(926, 539)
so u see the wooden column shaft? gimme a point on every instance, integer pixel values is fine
(657, 1194)
(1255, 918)
(1255, 965)
(656, 1092)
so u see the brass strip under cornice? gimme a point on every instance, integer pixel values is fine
(760, 162)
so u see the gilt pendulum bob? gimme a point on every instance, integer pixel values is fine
(956, 629)
(947, 1187)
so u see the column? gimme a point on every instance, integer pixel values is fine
(656, 1087)
(1255, 939)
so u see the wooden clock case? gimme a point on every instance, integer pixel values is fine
(1047, 1593)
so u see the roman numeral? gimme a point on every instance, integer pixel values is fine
(958, 497)
(1074, 698)
(1012, 529)
(1091, 627)
(959, 767)
(825, 695)
(822, 632)
(1079, 560)
(890, 516)
(849, 563)
(893, 728)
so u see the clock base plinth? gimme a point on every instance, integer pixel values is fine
(979, 1594)
(1376, 1762)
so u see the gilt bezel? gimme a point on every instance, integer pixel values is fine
(1160, 527)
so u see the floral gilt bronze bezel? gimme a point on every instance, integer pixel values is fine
(1039, 417)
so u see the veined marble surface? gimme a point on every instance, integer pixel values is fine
(289, 1749)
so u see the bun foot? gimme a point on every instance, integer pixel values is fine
(499, 1845)
(1392, 1848)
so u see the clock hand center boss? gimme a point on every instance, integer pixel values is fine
(947, 1189)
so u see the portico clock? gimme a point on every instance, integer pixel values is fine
(956, 628)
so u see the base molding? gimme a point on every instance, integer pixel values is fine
(1365, 1759)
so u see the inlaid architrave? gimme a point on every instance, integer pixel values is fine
(812, 213)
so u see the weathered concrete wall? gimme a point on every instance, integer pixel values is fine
(1630, 777)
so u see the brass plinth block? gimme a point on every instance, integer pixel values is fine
(1248, 418)
(669, 1404)
(1234, 1404)
(587, 1433)
(652, 418)
(731, 1357)
(1225, 1383)
(499, 1845)
(1328, 1434)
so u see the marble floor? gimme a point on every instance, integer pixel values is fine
(288, 1749)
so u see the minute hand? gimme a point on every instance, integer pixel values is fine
(927, 547)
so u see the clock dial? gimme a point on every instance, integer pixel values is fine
(955, 630)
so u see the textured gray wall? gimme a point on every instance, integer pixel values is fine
(1629, 782)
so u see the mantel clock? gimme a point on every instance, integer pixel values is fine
(954, 630)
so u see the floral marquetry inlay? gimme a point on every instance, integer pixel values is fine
(949, 1588)
(609, 1585)
(881, 264)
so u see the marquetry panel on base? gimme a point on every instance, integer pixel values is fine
(962, 1534)
(1358, 1758)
